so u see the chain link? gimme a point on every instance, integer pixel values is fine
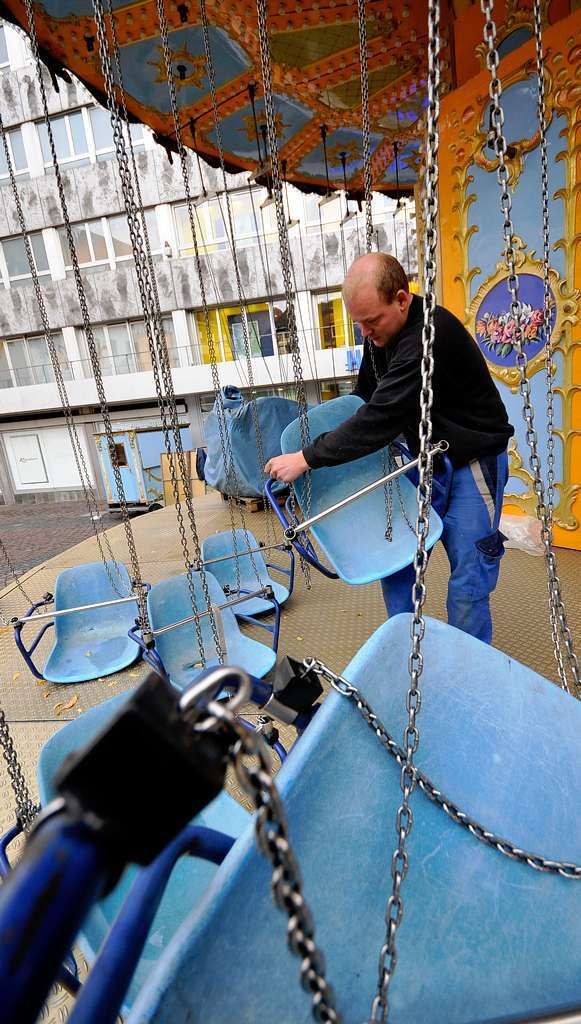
(154, 330)
(365, 125)
(252, 764)
(241, 298)
(556, 605)
(101, 535)
(506, 847)
(91, 345)
(265, 60)
(26, 809)
(404, 817)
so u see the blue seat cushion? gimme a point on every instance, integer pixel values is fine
(353, 539)
(93, 643)
(219, 544)
(483, 937)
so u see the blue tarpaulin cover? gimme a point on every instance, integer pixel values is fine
(274, 414)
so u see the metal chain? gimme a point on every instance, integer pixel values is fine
(15, 577)
(547, 310)
(557, 608)
(93, 353)
(155, 335)
(272, 839)
(404, 817)
(241, 298)
(26, 809)
(361, 18)
(285, 260)
(101, 535)
(506, 847)
(227, 455)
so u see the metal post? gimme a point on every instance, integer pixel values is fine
(68, 611)
(293, 531)
(216, 607)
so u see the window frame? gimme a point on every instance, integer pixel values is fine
(132, 357)
(348, 327)
(25, 339)
(77, 159)
(8, 279)
(24, 172)
(222, 337)
(5, 63)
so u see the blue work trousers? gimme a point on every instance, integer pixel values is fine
(474, 546)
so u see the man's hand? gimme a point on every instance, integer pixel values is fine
(287, 467)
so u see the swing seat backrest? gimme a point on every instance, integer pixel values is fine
(483, 936)
(170, 601)
(353, 539)
(93, 643)
(219, 544)
(190, 877)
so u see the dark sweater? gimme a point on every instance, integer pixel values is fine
(467, 410)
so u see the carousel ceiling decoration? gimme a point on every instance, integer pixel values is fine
(316, 80)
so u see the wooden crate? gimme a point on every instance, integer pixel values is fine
(198, 487)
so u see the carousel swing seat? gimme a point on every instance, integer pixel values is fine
(353, 537)
(229, 542)
(176, 652)
(190, 876)
(88, 644)
(484, 937)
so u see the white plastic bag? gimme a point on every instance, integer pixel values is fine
(522, 532)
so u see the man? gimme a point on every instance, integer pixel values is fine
(467, 412)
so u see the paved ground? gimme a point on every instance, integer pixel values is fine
(34, 533)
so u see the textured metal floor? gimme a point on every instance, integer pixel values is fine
(331, 621)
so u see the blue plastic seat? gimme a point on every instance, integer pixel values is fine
(353, 539)
(190, 877)
(483, 937)
(170, 602)
(219, 544)
(93, 643)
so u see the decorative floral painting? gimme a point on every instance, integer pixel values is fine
(495, 324)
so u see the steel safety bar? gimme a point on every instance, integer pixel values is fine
(292, 532)
(16, 621)
(265, 591)
(240, 554)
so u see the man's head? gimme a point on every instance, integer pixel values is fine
(377, 296)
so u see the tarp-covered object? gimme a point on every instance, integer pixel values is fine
(274, 414)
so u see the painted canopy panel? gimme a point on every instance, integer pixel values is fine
(316, 78)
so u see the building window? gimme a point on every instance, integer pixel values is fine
(17, 266)
(70, 140)
(226, 327)
(102, 243)
(101, 134)
(250, 222)
(123, 348)
(26, 361)
(335, 326)
(17, 153)
(334, 388)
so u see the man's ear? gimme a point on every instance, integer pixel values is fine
(403, 299)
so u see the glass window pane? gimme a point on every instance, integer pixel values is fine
(102, 130)
(18, 357)
(5, 377)
(62, 356)
(78, 133)
(59, 134)
(204, 347)
(331, 323)
(120, 342)
(39, 359)
(80, 242)
(3, 163)
(120, 235)
(152, 230)
(3, 46)
(243, 215)
(136, 133)
(183, 226)
(140, 345)
(171, 341)
(107, 368)
(15, 255)
(40, 257)
(18, 152)
(98, 240)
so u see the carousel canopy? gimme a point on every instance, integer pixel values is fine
(315, 71)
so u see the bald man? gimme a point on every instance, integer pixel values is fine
(467, 412)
